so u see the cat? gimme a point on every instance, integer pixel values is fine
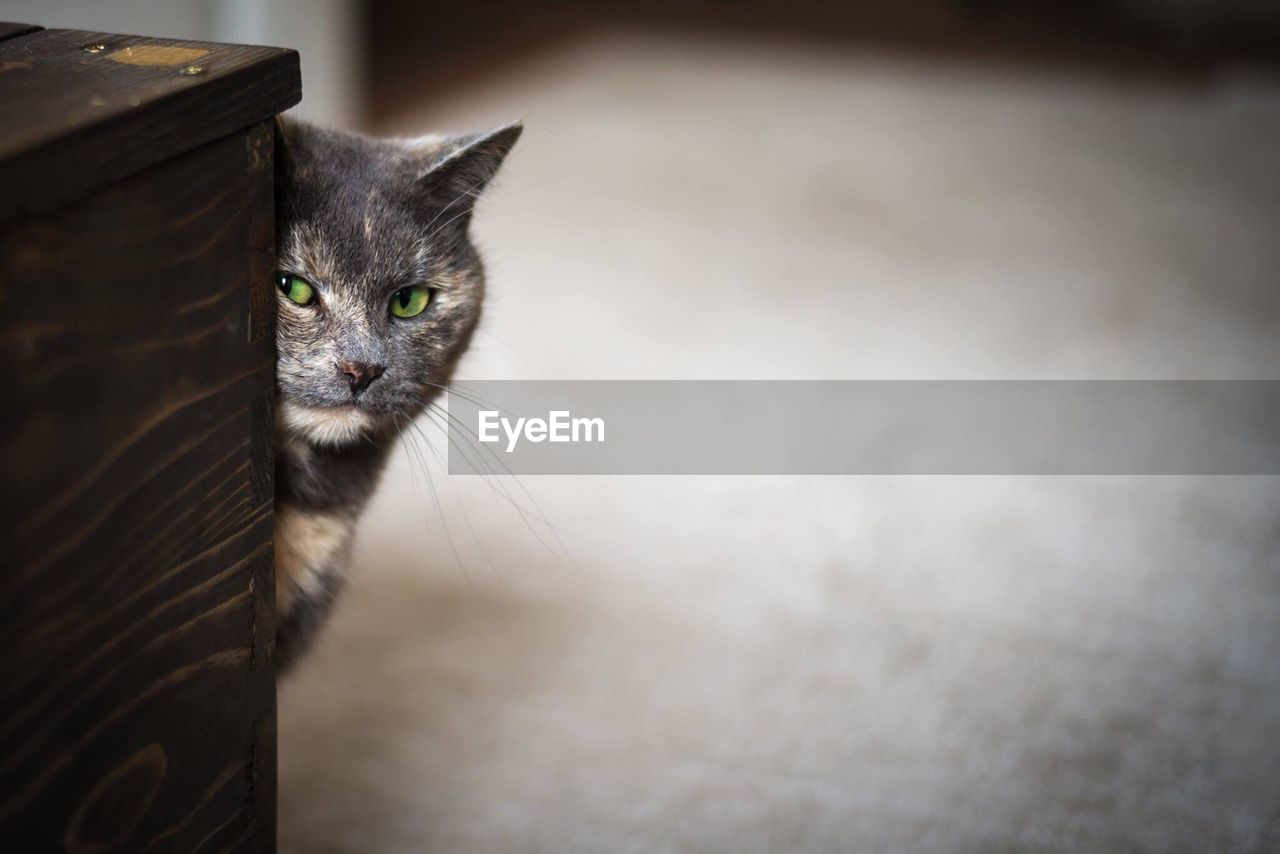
(379, 292)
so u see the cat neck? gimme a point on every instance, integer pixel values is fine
(330, 479)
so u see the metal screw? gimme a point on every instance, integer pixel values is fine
(93, 47)
(192, 70)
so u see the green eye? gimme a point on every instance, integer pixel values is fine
(410, 301)
(297, 289)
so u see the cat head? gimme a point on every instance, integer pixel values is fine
(379, 286)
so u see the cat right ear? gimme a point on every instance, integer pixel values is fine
(456, 180)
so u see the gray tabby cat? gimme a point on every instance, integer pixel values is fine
(380, 290)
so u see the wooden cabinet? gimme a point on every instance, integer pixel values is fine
(137, 371)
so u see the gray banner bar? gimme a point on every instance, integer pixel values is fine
(1076, 427)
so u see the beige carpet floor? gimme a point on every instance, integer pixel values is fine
(749, 664)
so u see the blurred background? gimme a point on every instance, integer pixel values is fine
(953, 189)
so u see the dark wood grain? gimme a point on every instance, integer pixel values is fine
(9, 30)
(72, 120)
(136, 580)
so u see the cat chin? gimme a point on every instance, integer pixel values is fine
(327, 426)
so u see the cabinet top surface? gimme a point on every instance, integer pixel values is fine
(73, 99)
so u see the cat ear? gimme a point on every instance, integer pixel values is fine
(455, 180)
(297, 145)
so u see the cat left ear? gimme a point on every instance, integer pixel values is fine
(456, 180)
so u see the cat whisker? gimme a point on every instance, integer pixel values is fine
(477, 463)
(400, 421)
(409, 438)
(537, 513)
(457, 494)
(474, 441)
(454, 388)
(467, 395)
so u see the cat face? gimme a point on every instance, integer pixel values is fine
(379, 286)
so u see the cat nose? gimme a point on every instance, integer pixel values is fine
(360, 374)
